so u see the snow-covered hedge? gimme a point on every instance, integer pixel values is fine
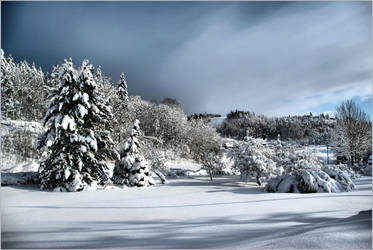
(331, 178)
(305, 173)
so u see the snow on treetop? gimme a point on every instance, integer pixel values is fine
(86, 73)
(67, 72)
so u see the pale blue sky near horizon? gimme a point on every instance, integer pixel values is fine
(273, 58)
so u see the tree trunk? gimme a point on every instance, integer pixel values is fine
(258, 179)
(161, 176)
(210, 174)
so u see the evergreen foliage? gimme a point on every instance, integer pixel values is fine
(122, 88)
(77, 135)
(132, 169)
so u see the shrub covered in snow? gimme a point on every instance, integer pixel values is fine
(254, 157)
(310, 181)
(132, 169)
(342, 174)
(307, 176)
(77, 135)
(306, 173)
(288, 168)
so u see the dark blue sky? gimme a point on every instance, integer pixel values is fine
(274, 58)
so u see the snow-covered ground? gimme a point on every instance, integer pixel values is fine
(191, 212)
(322, 154)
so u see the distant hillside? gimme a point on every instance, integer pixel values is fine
(307, 128)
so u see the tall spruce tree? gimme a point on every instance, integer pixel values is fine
(133, 169)
(120, 104)
(122, 88)
(78, 122)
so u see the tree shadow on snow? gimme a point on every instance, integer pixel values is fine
(271, 231)
(220, 183)
(29, 187)
(186, 205)
(363, 181)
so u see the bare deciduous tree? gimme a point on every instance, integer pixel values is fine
(352, 135)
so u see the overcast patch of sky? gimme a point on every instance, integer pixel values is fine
(289, 63)
(274, 58)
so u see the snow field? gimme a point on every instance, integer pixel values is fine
(187, 213)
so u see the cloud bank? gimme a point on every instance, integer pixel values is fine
(274, 58)
(290, 62)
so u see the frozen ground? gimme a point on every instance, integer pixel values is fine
(187, 213)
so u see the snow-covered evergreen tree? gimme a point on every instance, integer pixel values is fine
(133, 169)
(99, 79)
(120, 102)
(122, 88)
(78, 131)
(107, 88)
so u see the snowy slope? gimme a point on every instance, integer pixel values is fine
(187, 213)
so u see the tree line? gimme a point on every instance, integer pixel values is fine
(348, 134)
(86, 113)
(88, 119)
